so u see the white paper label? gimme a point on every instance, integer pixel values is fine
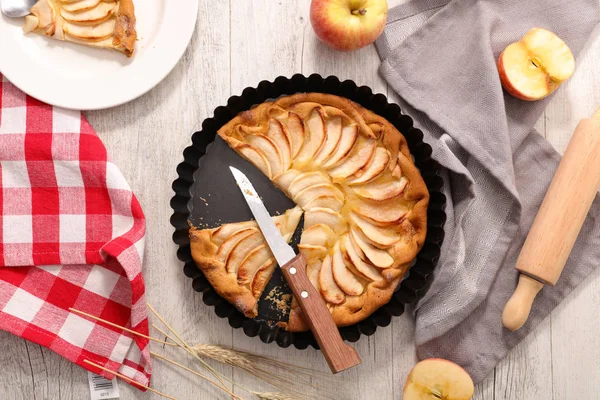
(101, 388)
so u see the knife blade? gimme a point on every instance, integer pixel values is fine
(338, 354)
(282, 251)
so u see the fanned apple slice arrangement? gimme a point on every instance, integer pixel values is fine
(108, 24)
(364, 202)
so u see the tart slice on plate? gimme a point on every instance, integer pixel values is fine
(107, 24)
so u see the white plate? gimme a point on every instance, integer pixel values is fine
(82, 78)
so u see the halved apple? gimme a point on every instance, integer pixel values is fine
(535, 66)
(380, 161)
(378, 236)
(316, 136)
(256, 158)
(334, 133)
(351, 255)
(325, 216)
(382, 190)
(378, 257)
(296, 133)
(345, 145)
(229, 243)
(252, 263)
(360, 156)
(329, 289)
(435, 378)
(344, 278)
(305, 180)
(311, 193)
(331, 202)
(81, 5)
(94, 15)
(277, 135)
(284, 179)
(269, 149)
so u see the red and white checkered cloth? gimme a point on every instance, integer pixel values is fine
(71, 235)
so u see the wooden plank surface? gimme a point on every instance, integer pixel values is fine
(237, 44)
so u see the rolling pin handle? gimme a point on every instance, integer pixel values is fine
(516, 310)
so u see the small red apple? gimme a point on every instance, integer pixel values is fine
(435, 379)
(535, 66)
(348, 25)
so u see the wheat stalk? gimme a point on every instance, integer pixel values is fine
(283, 376)
(272, 396)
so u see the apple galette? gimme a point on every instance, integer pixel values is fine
(364, 202)
(108, 24)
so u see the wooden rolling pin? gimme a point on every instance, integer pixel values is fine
(558, 222)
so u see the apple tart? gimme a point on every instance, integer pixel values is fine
(108, 24)
(364, 202)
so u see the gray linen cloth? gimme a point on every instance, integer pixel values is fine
(440, 57)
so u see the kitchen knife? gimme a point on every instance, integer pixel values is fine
(558, 222)
(338, 354)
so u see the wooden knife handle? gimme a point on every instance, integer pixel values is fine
(338, 354)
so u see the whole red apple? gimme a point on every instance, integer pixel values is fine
(536, 65)
(348, 25)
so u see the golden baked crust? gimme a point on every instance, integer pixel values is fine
(364, 200)
(236, 260)
(108, 24)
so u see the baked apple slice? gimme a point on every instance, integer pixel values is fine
(92, 16)
(81, 5)
(315, 136)
(380, 161)
(378, 257)
(312, 192)
(318, 235)
(296, 133)
(269, 150)
(378, 236)
(331, 202)
(305, 180)
(359, 157)
(277, 135)
(228, 244)
(384, 190)
(252, 263)
(285, 179)
(345, 145)
(329, 288)
(256, 158)
(388, 213)
(344, 278)
(334, 133)
(241, 249)
(325, 216)
(351, 255)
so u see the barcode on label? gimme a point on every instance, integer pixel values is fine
(102, 388)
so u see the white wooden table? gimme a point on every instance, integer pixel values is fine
(238, 44)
